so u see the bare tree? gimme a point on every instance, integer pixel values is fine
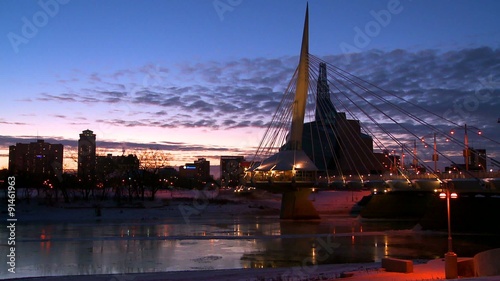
(151, 162)
(84, 186)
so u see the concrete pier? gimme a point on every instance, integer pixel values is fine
(296, 205)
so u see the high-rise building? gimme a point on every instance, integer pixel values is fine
(87, 156)
(231, 169)
(38, 157)
(477, 159)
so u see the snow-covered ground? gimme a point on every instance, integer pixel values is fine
(182, 204)
(432, 270)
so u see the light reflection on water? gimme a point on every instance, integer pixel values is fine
(111, 248)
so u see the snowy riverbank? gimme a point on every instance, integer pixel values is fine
(185, 207)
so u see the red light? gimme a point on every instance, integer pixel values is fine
(454, 195)
(442, 195)
(479, 132)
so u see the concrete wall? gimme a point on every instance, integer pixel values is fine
(487, 263)
(397, 265)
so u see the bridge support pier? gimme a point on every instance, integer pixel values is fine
(296, 205)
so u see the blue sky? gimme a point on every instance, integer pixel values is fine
(179, 73)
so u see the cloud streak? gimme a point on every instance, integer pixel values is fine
(464, 85)
(132, 147)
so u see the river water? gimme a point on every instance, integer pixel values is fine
(221, 243)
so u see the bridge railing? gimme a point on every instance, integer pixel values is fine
(475, 174)
(282, 176)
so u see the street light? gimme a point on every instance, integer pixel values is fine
(450, 265)
(466, 141)
(435, 156)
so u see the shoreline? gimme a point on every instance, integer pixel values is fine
(330, 271)
(429, 270)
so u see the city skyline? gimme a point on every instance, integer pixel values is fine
(202, 79)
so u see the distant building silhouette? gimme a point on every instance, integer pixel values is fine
(38, 157)
(325, 111)
(109, 164)
(389, 161)
(477, 162)
(232, 169)
(87, 156)
(198, 170)
(168, 173)
(477, 159)
(335, 143)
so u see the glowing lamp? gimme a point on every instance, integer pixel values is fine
(442, 195)
(453, 195)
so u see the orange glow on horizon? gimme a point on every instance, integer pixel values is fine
(188, 144)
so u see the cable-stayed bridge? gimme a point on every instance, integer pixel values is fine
(332, 128)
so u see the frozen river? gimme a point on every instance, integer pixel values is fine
(239, 242)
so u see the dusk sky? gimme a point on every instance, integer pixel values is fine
(203, 78)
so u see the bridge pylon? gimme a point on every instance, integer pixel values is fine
(290, 171)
